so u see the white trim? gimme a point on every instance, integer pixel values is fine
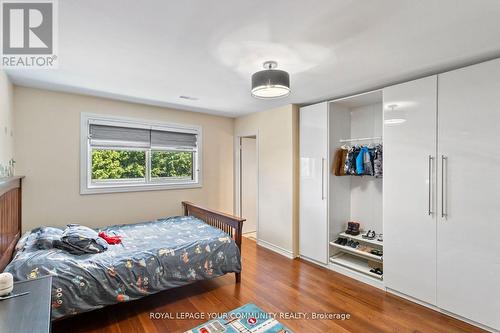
(237, 176)
(313, 261)
(275, 248)
(86, 186)
(438, 309)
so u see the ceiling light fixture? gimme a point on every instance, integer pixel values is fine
(271, 82)
(395, 121)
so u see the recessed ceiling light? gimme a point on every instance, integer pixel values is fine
(190, 98)
(271, 82)
(394, 121)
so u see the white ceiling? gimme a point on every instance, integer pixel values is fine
(154, 51)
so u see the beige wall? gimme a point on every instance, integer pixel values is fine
(277, 132)
(47, 150)
(6, 119)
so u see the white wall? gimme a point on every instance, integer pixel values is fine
(6, 119)
(340, 187)
(277, 131)
(47, 127)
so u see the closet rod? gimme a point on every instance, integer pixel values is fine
(361, 139)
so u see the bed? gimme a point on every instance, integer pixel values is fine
(153, 256)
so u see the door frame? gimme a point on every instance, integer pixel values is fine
(237, 176)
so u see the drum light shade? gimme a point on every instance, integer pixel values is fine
(271, 82)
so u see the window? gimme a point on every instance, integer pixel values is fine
(120, 155)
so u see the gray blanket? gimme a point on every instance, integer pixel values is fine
(152, 257)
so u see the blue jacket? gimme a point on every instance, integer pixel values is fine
(360, 168)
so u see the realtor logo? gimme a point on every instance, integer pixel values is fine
(28, 34)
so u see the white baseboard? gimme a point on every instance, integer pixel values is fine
(312, 261)
(277, 249)
(435, 308)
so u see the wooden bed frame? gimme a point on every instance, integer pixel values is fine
(230, 224)
(10, 219)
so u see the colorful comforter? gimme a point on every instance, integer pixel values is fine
(152, 257)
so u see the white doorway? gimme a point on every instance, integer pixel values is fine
(248, 185)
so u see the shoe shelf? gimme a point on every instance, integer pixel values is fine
(354, 263)
(360, 238)
(356, 252)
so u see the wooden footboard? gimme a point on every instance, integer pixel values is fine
(230, 224)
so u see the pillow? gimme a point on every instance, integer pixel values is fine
(21, 243)
(78, 239)
(45, 236)
(38, 239)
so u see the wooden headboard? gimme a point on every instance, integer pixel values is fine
(10, 217)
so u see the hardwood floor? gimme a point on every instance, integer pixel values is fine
(276, 284)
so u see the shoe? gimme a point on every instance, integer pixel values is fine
(380, 238)
(340, 240)
(377, 271)
(368, 233)
(376, 252)
(354, 245)
(344, 241)
(355, 229)
(349, 243)
(350, 228)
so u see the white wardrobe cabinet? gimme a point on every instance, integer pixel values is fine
(441, 178)
(409, 199)
(313, 230)
(468, 226)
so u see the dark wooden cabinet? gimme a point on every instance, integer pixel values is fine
(30, 312)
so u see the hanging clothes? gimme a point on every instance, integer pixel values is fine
(378, 162)
(348, 158)
(360, 161)
(350, 164)
(368, 162)
(337, 162)
(342, 161)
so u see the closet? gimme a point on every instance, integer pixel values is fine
(410, 165)
(441, 216)
(435, 203)
(313, 214)
(354, 123)
(328, 201)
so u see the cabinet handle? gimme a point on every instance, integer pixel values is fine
(429, 207)
(323, 179)
(444, 161)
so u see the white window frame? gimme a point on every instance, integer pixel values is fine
(89, 187)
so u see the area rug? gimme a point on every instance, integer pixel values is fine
(246, 319)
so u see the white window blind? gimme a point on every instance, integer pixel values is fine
(119, 136)
(165, 139)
